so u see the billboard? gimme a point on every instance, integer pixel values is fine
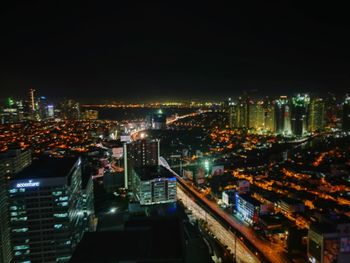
(125, 138)
(117, 152)
(217, 170)
(200, 176)
(243, 186)
(188, 174)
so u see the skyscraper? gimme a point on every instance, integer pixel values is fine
(156, 121)
(346, 114)
(316, 120)
(44, 216)
(139, 153)
(300, 104)
(283, 116)
(243, 113)
(232, 114)
(11, 162)
(256, 115)
(269, 117)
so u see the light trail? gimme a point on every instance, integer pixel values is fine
(225, 237)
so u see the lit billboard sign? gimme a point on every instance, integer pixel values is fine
(30, 183)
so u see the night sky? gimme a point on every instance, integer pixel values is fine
(136, 50)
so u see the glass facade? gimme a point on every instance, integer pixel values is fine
(45, 217)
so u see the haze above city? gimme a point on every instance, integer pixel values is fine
(142, 51)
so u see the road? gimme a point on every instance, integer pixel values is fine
(264, 249)
(225, 237)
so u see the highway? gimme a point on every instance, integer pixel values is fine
(264, 250)
(225, 237)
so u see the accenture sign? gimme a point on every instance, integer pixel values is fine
(30, 183)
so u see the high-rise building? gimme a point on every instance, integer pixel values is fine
(137, 154)
(70, 110)
(243, 113)
(331, 111)
(91, 115)
(316, 120)
(154, 185)
(45, 211)
(232, 114)
(11, 162)
(300, 105)
(283, 116)
(12, 112)
(32, 100)
(269, 117)
(256, 115)
(346, 114)
(156, 121)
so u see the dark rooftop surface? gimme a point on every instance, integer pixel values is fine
(144, 240)
(250, 199)
(152, 172)
(47, 167)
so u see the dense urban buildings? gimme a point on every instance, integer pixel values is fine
(44, 212)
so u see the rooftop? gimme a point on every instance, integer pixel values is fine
(47, 167)
(250, 199)
(144, 240)
(152, 171)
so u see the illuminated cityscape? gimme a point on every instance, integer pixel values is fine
(156, 132)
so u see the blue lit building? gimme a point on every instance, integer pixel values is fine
(247, 208)
(46, 211)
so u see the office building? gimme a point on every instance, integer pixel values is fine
(156, 121)
(11, 162)
(300, 105)
(70, 110)
(316, 115)
(256, 115)
(90, 115)
(247, 208)
(346, 115)
(269, 117)
(139, 153)
(45, 211)
(154, 185)
(283, 116)
(229, 197)
(232, 114)
(331, 111)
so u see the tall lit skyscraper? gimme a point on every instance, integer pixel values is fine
(139, 153)
(316, 120)
(232, 114)
(346, 114)
(300, 104)
(269, 117)
(32, 99)
(45, 215)
(256, 115)
(243, 113)
(283, 116)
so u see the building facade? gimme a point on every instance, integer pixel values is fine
(45, 215)
(154, 185)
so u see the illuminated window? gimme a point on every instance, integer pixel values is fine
(61, 215)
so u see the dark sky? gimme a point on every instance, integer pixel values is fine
(172, 49)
